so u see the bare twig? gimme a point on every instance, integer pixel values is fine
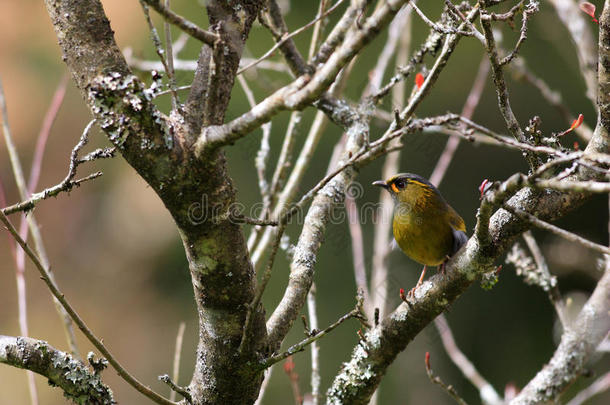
(399, 40)
(316, 380)
(263, 153)
(552, 97)
(583, 40)
(437, 380)
(467, 111)
(68, 183)
(600, 385)
(487, 392)
(317, 33)
(443, 29)
(355, 230)
(304, 91)
(578, 342)
(30, 203)
(166, 57)
(561, 232)
(285, 37)
(185, 25)
(131, 380)
(287, 195)
(503, 98)
(553, 289)
(176, 388)
(169, 55)
(191, 65)
(293, 376)
(260, 289)
(264, 385)
(177, 353)
(528, 11)
(19, 262)
(45, 131)
(315, 335)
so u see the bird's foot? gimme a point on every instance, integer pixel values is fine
(442, 267)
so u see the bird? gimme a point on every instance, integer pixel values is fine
(426, 228)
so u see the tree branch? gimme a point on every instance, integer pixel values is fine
(302, 91)
(185, 25)
(48, 280)
(578, 343)
(361, 375)
(75, 378)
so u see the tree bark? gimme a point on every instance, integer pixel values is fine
(198, 192)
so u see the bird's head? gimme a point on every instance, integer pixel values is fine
(409, 188)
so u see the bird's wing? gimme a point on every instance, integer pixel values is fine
(456, 220)
(459, 239)
(458, 228)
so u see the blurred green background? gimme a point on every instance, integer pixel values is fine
(118, 258)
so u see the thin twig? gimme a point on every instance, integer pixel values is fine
(437, 380)
(169, 55)
(68, 182)
(317, 32)
(597, 387)
(293, 376)
(529, 10)
(477, 34)
(177, 353)
(262, 155)
(165, 57)
(521, 72)
(280, 173)
(556, 230)
(30, 221)
(185, 25)
(467, 111)
(240, 219)
(316, 380)
(176, 388)
(488, 394)
(503, 98)
(131, 380)
(354, 313)
(44, 133)
(260, 289)
(30, 203)
(20, 266)
(264, 385)
(287, 195)
(442, 29)
(287, 36)
(355, 230)
(399, 42)
(553, 290)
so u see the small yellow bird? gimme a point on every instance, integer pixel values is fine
(426, 228)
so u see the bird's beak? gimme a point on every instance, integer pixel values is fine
(380, 183)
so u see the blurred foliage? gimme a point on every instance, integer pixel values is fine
(118, 257)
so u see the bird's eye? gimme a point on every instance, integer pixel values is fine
(400, 184)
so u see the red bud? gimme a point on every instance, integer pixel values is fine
(576, 146)
(428, 361)
(419, 80)
(576, 122)
(483, 187)
(589, 9)
(289, 365)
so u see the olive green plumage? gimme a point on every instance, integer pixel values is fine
(426, 228)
